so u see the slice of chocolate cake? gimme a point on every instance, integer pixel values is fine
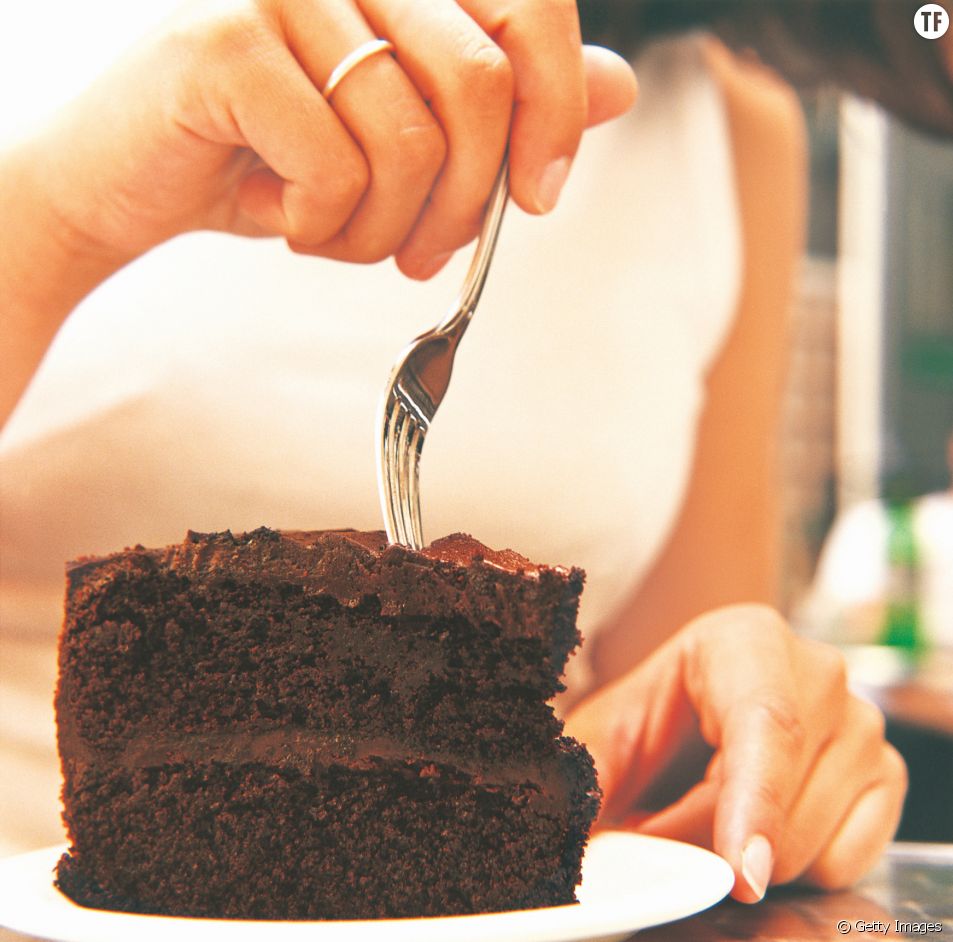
(319, 726)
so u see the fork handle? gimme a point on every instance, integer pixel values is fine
(469, 296)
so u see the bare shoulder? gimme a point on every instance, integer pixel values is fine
(761, 106)
(769, 148)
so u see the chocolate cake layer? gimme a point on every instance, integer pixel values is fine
(271, 655)
(372, 838)
(292, 725)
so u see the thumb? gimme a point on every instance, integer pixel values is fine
(610, 84)
(595, 724)
(636, 728)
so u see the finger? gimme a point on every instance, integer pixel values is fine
(385, 114)
(867, 829)
(542, 41)
(634, 728)
(611, 85)
(610, 725)
(842, 819)
(467, 81)
(316, 174)
(846, 768)
(739, 678)
(455, 211)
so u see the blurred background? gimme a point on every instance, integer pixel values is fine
(866, 433)
(869, 406)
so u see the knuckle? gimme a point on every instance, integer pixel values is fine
(466, 231)
(422, 150)
(834, 872)
(843, 862)
(871, 722)
(367, 245)
(487, 73)
(744, 616)
(299, 235)
(343, 246)
(767, 795)
(836, 668)
(302, 248)
(830, 667)
(234, 36)
(742, 620)
(781, 716)
(729, 628)
(324, 203)
(368, 253)
(566, 9)
(895, 770)
(554, 11)
(342, 189)
(765, 617)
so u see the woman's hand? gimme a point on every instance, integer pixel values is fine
(218, 122)
(793, 778)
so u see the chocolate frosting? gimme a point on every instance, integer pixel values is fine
(454, 576)
(307, 750)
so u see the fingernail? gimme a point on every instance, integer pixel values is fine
(429, 267)
(551, 183)
(757, 861)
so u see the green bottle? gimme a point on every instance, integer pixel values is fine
(902, 626)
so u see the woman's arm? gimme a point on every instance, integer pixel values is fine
(46, 268)
(219, 121)
(725, 546)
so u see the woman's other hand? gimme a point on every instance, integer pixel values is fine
(218, 122)
(793, 780)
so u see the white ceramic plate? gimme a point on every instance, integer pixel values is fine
(629, 882)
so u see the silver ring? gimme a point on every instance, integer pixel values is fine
(352, 60)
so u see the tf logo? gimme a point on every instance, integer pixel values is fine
(931, 21)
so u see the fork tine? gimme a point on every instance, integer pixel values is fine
(413, 485)
(392, 512)
(408, 429)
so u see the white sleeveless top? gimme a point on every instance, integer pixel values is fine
(222, 383)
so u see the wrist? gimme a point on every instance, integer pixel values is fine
(53, 194)
(48, 263)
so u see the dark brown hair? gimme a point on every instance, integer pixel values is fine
(869, 47)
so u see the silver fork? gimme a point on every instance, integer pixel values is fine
(419, 382)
